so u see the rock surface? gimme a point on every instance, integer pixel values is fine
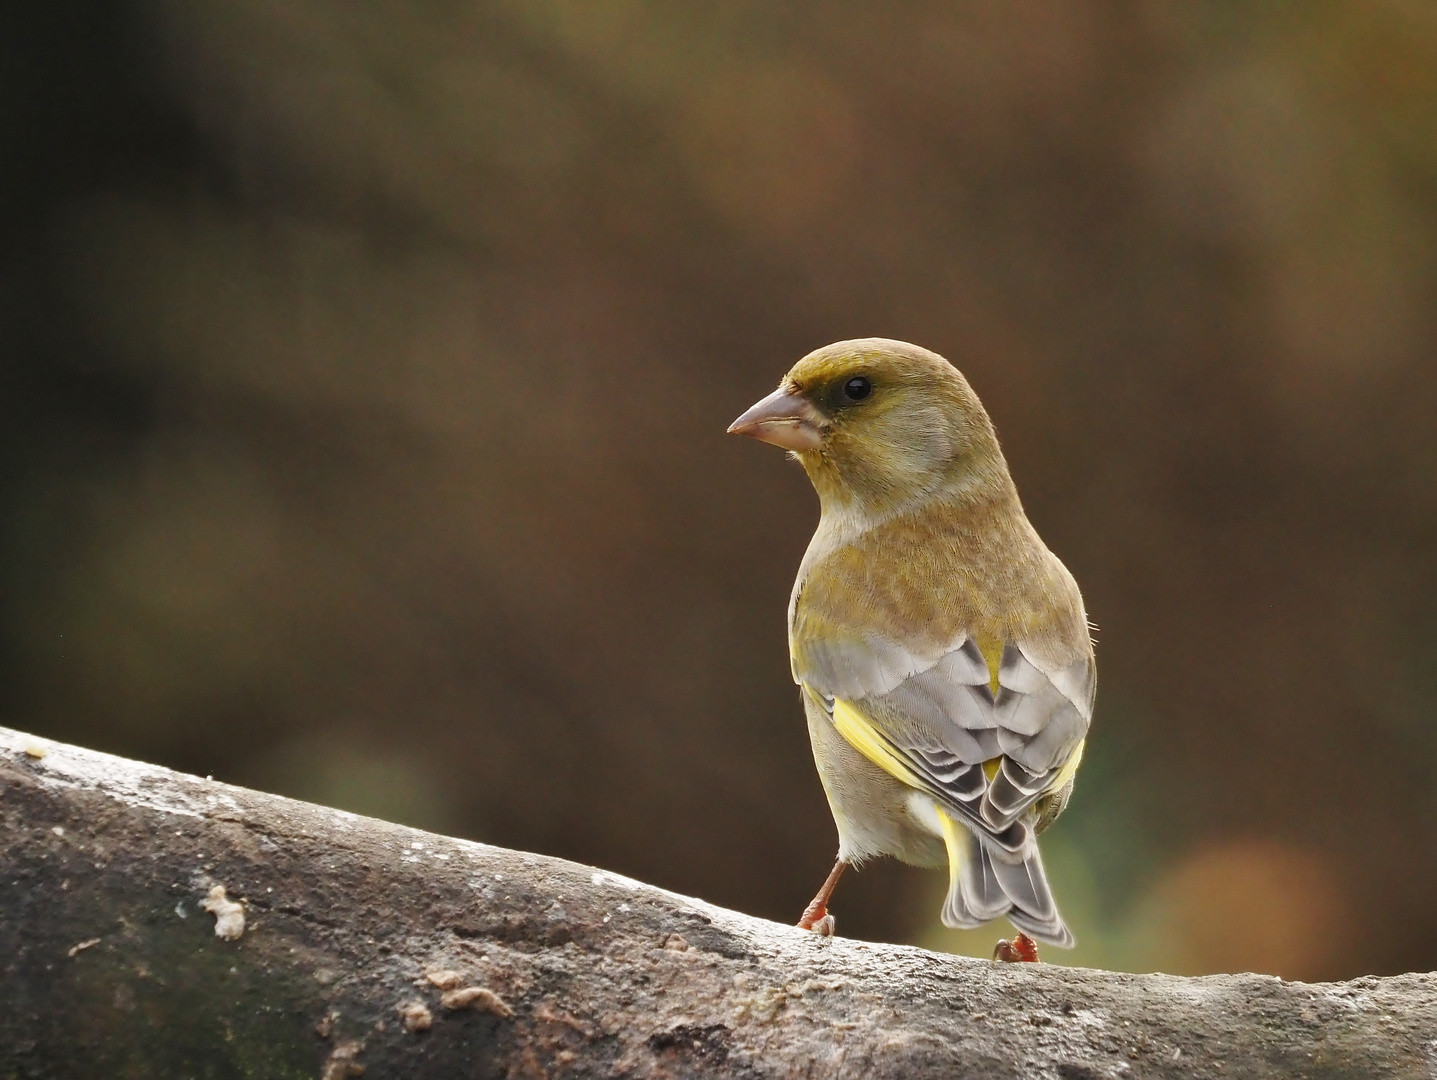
(366, 948)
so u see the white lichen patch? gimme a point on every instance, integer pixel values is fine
(445, 979)
(343, 1063)
(754, 999)
(619, 881)
(476, 997)
(415, 1016)
(1346, 997)
(75, 950)
(809, 986)
(229, 914)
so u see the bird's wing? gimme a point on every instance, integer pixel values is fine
(935, 721)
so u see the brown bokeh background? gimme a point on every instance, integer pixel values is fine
(366, 369)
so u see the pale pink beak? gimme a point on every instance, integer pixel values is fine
(784, 419)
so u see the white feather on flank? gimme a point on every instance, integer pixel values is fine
(925, 811)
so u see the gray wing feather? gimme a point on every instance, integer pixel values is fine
(1029, 713)
(925, 715)
(1051, 747)
(854, 669)
(963, 664)
(991, 883)
(1012, 790)
(1078, 683)
(938, 711)
(1025, 884)
(980, 887)
(1018, 674)
(1030, 881)
(1052, 931)
(964, 781)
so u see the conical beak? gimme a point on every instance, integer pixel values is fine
(783, 418)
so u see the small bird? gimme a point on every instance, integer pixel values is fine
(942, 651)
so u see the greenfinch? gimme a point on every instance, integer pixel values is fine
(942, 651)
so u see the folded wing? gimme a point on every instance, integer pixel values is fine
(937, 715)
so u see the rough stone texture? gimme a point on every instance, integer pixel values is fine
(369, 946)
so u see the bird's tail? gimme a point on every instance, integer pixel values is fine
(986, 882)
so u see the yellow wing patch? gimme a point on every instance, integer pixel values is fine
(1067, 772)
(956, 840)
(860, 734)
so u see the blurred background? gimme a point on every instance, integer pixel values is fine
(366, 370)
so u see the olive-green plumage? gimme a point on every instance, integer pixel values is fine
(942, 649)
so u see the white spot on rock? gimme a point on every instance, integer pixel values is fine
(445, 979)
(416, 1016)
(604, 877)
(229, 915)
(343, 1062)
(476, 997)
(76, 949)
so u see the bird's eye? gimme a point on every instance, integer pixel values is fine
(857, 388)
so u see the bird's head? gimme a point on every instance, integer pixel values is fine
(879, 424)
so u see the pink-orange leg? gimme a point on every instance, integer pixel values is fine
(1022, 949)
(816, 916)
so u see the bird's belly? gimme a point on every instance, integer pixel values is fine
(872, 810)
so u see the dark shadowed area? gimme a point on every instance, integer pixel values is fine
(366, 370)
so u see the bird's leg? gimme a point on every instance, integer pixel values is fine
(815, 917)
(1022, 949)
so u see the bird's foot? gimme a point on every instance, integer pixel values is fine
(1021, 950)
(815, 917)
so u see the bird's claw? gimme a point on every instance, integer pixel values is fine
(1021, 950)
(817, 919)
